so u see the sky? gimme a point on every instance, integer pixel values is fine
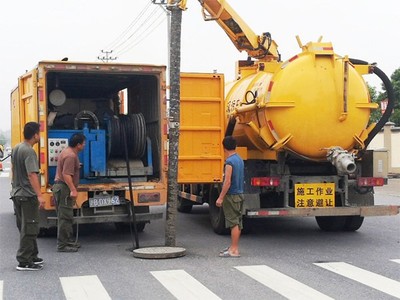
(137, 32)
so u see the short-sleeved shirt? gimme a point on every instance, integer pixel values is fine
(68, 164)
(24, 161)
(237, 178)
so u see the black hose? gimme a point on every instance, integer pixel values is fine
(131, 208)
(390, 95)
(134, 126)
(83, 115)
(231, 126)
(4, 158)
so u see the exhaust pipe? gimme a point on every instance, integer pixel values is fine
(342, 160)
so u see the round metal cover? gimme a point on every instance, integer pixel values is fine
(57, 97)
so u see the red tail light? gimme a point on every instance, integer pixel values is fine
(370, 181)
(265, 181)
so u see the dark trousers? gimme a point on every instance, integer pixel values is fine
(27, 216)
(65, 214)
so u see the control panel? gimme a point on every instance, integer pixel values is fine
(56, 145)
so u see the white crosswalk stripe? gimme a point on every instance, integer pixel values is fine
(83, 288)
(376, 281)
(4, 174)
(183, 286)
(396, 260)
(281, 283)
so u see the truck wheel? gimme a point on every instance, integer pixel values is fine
(353, 223)
(184, 206)
(43, 232)
(217, 217)
(334, 223)
(247, 226)
(47, 232)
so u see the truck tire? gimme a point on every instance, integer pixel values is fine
(184, 206)
(353, 223)
(47, 232)
(340, 223)
(334, 223)
(217, 217)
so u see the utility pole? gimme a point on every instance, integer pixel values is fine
(174, 122)
(106, 56)
(170, 250)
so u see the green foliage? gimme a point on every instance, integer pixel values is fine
(395, 79)
(376, 113)
(378, 97)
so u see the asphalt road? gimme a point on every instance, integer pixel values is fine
(281, 258)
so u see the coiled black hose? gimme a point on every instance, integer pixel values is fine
(135, 128)
(390, 95)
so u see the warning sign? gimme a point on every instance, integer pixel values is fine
(314, 195)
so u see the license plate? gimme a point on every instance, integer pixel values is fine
(104, 201)
(314, 195)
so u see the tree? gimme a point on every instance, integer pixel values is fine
(395, 78)
(376, 113)
(378, 97)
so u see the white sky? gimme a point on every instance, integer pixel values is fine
(47, 29)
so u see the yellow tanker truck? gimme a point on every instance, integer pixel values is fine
(302, 127)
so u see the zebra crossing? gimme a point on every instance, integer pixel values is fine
(376, 281)
(84, 287)
(182, 285)
(281, 283)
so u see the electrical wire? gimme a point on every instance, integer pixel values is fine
(143, 34)
(117, 40)
(138, 30)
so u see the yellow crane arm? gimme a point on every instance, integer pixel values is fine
(259, 47)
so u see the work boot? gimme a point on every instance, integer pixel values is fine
(29, 267)
(68, 249)
(74, 244)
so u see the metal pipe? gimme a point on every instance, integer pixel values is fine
(342, 160)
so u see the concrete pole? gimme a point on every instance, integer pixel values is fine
(174, 119)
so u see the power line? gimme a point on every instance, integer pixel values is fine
(142, 35)
(140, 27)
(121, 36)
(135, 33)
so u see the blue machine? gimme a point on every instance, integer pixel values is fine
(92, 158)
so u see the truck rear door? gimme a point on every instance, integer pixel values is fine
(24, 104)
(202, 127)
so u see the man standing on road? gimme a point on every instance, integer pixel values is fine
(65, 192)
(27, 198)
(231, 196)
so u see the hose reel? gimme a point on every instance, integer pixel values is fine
(135, 127)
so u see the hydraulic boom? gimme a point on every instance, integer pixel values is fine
(261, 47)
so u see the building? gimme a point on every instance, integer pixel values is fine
(388, 140)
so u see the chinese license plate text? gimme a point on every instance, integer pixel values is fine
(104, 201)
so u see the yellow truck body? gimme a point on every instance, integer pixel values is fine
(283, 177)
(102, 101)
(202, 126)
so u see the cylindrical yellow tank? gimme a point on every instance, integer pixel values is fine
(314, 101)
